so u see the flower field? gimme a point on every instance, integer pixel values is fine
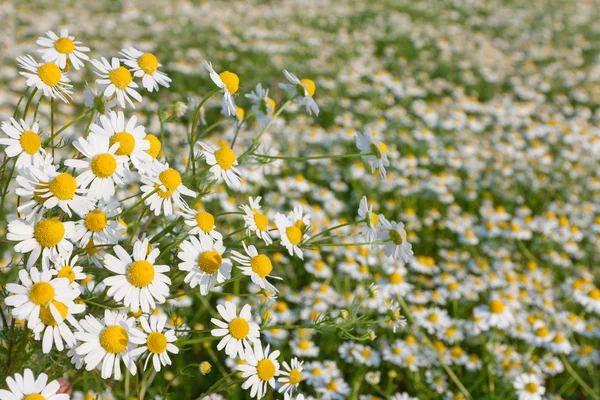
(293, 199)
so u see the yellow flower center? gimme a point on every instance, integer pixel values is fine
(114, 339)
(310, 86)
(205, 221)
(395, 278)
(231, 81)
(165, 194)
(157, 342)
(155, 145)
(46, 315)
(49, 232)
(170, 178)
(433, 317)
(261, 265)
(395, 237)
(120, 77)
(225, 157)
(126, 143)
(265, 369)
(366, 353)
(594, 294)
(64, 45)
(49, 73)
(34, 396)
(542, 332)
(295, 377)
(531, 387)
(261, 221)
(63, 186)
(374, 219)
(304, 344)
(294, 234)
(239, 328)
(210, 261)
(496, 306)
(148, 63)
(67, 272)
(96, 221)
(41, 293)
(140, 273)
(332, 386)
(30, 142)
(103, 165)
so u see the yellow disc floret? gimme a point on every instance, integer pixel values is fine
(103, 165)
(64, 45)
(157, 342)
(225, 157)
(261, 221)
(155, 145)
(231, 81)
(49, 73)
(49, 232)
(120, 77)
(63, 186)
(67, 272)
(294, 234)
(205, 221)
(41, 293)
(261, 265)
(170, 178)
(265, 369)
(30, 142)
(96, 221)
(126, 143)
(496, 306)
(309, 85)
(114, 339)
(46, 314)
(34, 396)
(210, 261)
(295, 377)
(148, 63)
(140, 273)
(239, 328)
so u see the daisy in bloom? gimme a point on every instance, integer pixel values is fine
(222, 163)
(237, 332)
(203, 259)
(115, 78)
(62, 50)
(262, 104)
(23, 141)
(228, 82)
(103, 168)
(528, 387)
(145, 65)
(290, 376)
(46, 77)
(396, 246)
(303, 90)
(107, 341)
(166, 184)
(139, 282)
(289, 396)
(336, 389)
(45, 237)
(496, 314)
(260, 370)
(290, 234)
(97, 227)
(375, 153)
(256, 221)
(590, 300)
(154, 340)
(202, 223)
(131, 138)
(65, 267)
(256, 266)
(27, 387)
(365, 212)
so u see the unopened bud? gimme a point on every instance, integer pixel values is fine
(205, 368)
(372, 335)
(344, 313)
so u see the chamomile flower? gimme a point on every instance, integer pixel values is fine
(222, 163)
(290, 235)
(256, 221)
(290, 376)
(336, 389)
(46, 237)
(139, 282)
(98, 226)
(202, 223)
(365, 212)
(238, 332)
(107, 342)
(256, 266)
(228, 82)
(303, 91)
(204, 262)
(145, 66)
(115, 78)
(46, 77)
(154, 340)
(131, 138)
(102, 167)
(528, 387)
(396, 246)
(162, 188)
(65, 267)
(590, 299)
(497, 314)
(24, 142)
(375, 153)
(260, 370)
(63, 50)
(262, 104)
(27, 387)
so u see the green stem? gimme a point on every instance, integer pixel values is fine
(578, 378)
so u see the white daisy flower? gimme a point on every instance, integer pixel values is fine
(237, 332)
(393, 234)
(227, 81)
(290, 396)
(375, 153)
(529, 387)
(27, 387)
(291, 376)
(139, 281)
(256, 221)
(115, 78)
(46, 77)
(203, 259)
(155, 341)
(103, 168)
(260, 370)
(303, 91)
(495, 315)
(262, 104)
(45, 237)
(131, 138)
(290, 235)
(145, 65)
(23, 141)
(365, 212)
(166, 184)
(202, 223)
(94, 98)
(65, 267)
(62, 50)
(256, 266)
(98, 226)
(107, 341)
(222, 163)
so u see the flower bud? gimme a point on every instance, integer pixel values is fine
(205, 367)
